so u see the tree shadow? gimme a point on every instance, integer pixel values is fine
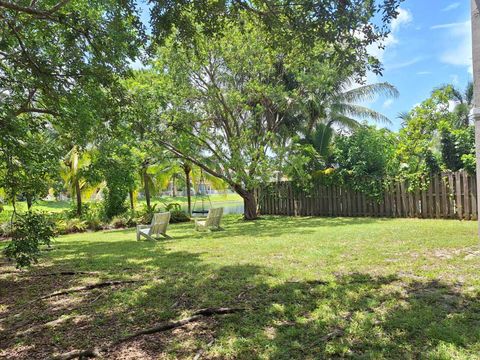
(356, 315)
(236, 226)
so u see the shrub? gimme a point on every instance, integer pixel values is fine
(178, 216)
(114, 203)
(94, 224)
(119, 222)
(145, 215)
(30, 230)
(173, 206)
(93, 217)
(469, 163)
(70, 226)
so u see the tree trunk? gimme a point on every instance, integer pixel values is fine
(250, 210)
(29, 201)
(78, 194)
(130, 194)
(174, 185)
(146, 188)
(187, 170)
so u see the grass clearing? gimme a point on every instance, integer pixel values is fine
(314, 288)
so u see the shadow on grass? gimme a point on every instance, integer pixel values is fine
(355, 315)
(236, 226)
(352, 316)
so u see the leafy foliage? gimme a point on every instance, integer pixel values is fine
(419, 138)
(285, 22)
(455, 143)
(178, 216)
(30, 231)
(366, 168)
(116, 164)
(233, 97)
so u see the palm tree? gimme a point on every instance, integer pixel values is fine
(463, 103)
(342, 109)
(187, 170)
(71, 173)
(156, 176)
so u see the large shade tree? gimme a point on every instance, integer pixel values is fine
(232, 97)
(349, 25)
(50, 52)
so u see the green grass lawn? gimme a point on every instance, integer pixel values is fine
(313, 288)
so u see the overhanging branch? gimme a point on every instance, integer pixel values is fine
(31, 10)
(201, 165)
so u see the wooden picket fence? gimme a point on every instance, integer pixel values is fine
(448, 196)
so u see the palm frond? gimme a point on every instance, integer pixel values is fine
(369, 92)
(322, 138)
(343, 120)
(359, 112)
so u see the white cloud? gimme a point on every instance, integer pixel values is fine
(452, 6)
(448, 26)
(404, 64)
(387, 103)
(458, 41)
(404, 17)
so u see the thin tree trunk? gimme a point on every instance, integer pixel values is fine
(130, 194)
(29, 201)
(174, 185)
(79, 197)
(187, 170)
(146, 187)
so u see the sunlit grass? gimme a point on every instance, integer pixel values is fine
(312, 287)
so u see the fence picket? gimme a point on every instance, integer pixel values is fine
(458, 192)
(466, 196)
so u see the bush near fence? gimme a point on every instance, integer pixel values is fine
(451, 195)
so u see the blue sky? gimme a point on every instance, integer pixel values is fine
(430, 45)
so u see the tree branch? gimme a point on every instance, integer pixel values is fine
(182, 155)
(35, 110)
(31, 10)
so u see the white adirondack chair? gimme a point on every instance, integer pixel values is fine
(158, 227)
(211, 221)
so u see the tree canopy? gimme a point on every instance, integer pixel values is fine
(231, 98)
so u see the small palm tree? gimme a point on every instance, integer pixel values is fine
(71, 172)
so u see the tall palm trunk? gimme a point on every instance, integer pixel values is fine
(187, 169)
(146, 186)
(132, 204)
(78, 194)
